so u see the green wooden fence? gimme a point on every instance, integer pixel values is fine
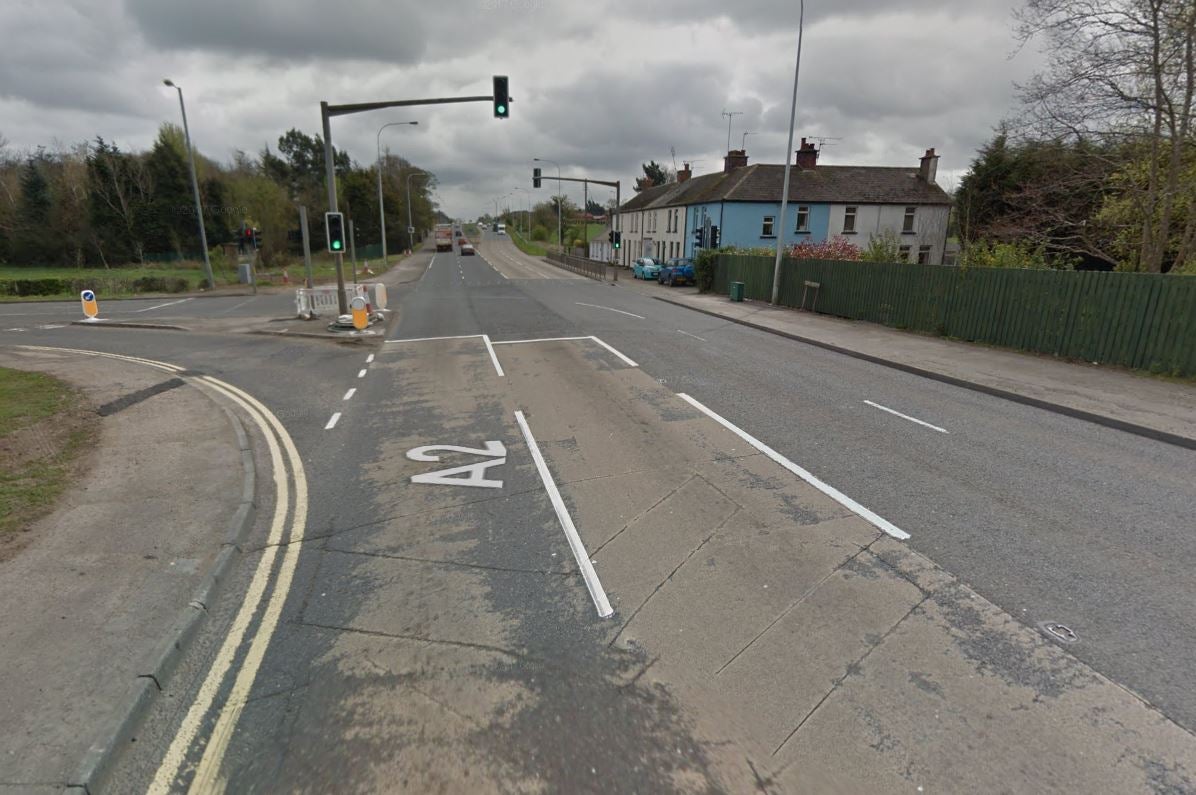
(1140, 320)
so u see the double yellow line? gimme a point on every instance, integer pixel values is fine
(286, 467)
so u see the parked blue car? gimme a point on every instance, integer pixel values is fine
(645, 268)
(679, 270)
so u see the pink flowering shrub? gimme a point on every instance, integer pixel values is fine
(835, 248)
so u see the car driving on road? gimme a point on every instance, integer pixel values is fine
(467, 249)
(679, 270)
(645, 268)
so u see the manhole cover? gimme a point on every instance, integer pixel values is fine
(1060, 632)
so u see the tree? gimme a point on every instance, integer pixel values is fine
(1122, 71)
(885, 247)
(117, 199)
(655, 174)
(595, 208)
(170, 223)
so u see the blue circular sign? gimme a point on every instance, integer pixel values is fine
(88, 295)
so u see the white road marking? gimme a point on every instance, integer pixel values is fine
(562, 513)
(237, 306)
(350, 393)
(170, 368)
(159, 306)
(361, 373)
(626, 360)
(686, 333)
(493, 355)
(369, 359)
(494, 450)
(805, 475)
(611, 309)
(430, 339)
(906, 417)
(541, 339)
(333, 420)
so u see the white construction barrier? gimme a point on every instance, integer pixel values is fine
(321, 301)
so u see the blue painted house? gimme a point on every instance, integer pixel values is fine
(744, 202)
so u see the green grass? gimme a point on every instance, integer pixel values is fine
(30, 483)
(102, 279)
(531, 247)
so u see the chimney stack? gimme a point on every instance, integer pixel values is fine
(807, 156)
(929, 166)
(684, 173)
(736, 158)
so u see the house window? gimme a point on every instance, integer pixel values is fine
(766, 228)
(903, 254)
(803, 218)
(923, 255)
(849, 220)
(907, 227)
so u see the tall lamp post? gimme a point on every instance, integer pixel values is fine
(560, 242)
(528, 203)
(776, 270)
(381, 209)
(203, 235)
(410, 225)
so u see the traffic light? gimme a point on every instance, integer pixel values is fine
(334, 230)
(257, 237)
(502, 99)
(698, 237)
(618, 242)
(714, 237)
(535, 177)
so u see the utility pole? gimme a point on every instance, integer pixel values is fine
(776, 270)
(381, 209)
(352, 251)
(410, 225)
(730, 114)
(559, 201)
(309, 282)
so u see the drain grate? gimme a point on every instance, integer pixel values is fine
(1060, 632)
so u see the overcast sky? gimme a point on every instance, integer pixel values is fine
(599, 86)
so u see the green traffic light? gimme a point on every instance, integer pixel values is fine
(336, 245)
(502, 110)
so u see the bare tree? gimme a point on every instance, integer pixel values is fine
(1122, 72)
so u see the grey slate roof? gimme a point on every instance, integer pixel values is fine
(761, 182)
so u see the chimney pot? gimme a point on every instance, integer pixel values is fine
(806, 157)
(684, 173)
(928, 166)
(736, 158)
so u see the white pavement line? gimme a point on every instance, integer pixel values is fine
(562, 514)
(493, 355)
(541, 339)
(369, 359)
(170, 368)
(159, 306)
(431, 339)
(615, 352)
(350, 393)
(906, 417)
(336, 415)
(686, 333)
(611, 309)
(237, 306)
(361, 373)
(830, 491)
(206, 774)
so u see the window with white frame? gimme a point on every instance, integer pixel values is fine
(803, 218)
(907, 226)
(923, 255)
(766, 227)
(849, 220)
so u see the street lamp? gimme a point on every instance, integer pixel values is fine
(560, 242)
(776, 270)
(528, 218)
(410, 225)
(381, 209)
(203, 235)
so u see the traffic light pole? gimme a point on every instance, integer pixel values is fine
(326, 113)
(587, 181)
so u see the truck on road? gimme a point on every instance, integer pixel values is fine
(444, 237)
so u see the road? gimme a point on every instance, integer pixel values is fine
(400, 629)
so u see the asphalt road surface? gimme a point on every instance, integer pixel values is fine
(494, 497)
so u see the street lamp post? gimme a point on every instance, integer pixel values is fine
(381, 209)
(776, 270)
(410, 225)
(203, 235)
(558, 197)
(528, 217)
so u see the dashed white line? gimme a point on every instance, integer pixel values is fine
(906, 417)
(593, 584)
(369, 359)
(332, 422)
(159, 306)
(361, 373)
(610, 309)
(350, 393)
(493, 355)
(695, 336)
(830, 491)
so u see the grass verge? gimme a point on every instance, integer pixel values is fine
(45, 427)
(526, 246)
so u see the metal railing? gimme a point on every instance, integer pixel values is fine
(590, 268)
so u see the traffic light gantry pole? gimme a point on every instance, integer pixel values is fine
(502, 110)
(616, 185)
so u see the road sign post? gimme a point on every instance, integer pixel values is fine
(91, 307)
(361, 316)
